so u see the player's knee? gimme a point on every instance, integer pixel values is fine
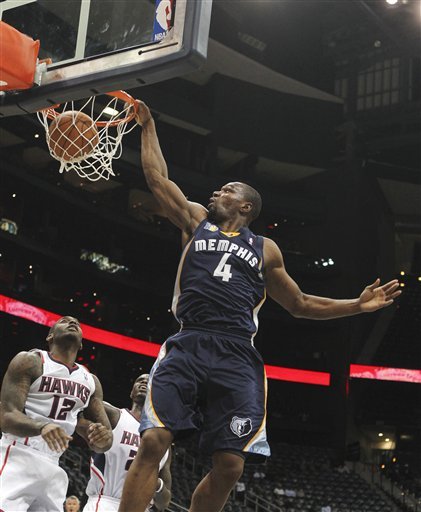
(228, 466)
(155, 442)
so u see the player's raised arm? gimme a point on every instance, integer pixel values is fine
(24, 369)
(94, 426)
(185, 214)
(151, 155)
(284, 290)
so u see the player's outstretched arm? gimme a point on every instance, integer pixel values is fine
(185, 214)
(151, 154)
(94, 426)
(284, 290)
(22, 371)
(162, 497)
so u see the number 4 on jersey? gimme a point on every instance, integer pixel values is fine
(223, 269)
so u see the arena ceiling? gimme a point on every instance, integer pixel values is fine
(288, 50)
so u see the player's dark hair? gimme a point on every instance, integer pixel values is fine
(251, 195)
(53, 326)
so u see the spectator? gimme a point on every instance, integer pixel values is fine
(240, 490)
(72, 504)
(278, 491)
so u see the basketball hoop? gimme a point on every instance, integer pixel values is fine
(93, 148)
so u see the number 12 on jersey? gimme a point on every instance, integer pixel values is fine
(66, 406)
(223, 269)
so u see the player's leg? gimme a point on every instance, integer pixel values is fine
(169, 409)
(93, 504)
(142, 477)
(18, 476)
(101, 503)
(213, 491)
(234, 419)
(52, 489)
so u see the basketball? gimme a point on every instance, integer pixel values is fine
(72, 135)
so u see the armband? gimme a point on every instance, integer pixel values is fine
(161, 486)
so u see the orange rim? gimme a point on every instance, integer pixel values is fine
(52, 113)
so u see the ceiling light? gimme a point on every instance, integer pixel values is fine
(392, 2)
(380, 434)
(36, 135)
(387, 439)
(251, 41)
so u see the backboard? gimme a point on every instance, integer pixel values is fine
(98, 46)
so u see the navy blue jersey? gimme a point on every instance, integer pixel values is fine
(219, 283)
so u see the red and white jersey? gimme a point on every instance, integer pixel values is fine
(58, 396)
(109, 469)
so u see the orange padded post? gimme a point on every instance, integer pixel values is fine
(18, 59)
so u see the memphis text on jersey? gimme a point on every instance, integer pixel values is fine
(212, 244)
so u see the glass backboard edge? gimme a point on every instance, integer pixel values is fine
(171, 63)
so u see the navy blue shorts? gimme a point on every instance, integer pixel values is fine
(212, 383)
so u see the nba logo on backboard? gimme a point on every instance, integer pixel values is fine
(163, 16)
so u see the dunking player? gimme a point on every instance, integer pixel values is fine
(109, 469)
(209, 376)
(41, 397)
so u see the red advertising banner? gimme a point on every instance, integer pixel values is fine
(147, 348)
(359, 371)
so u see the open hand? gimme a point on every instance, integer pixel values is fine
(56, 438)
(99, 437)
(375, 297)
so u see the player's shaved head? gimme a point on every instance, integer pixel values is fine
(251, 195)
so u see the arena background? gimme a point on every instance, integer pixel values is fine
(340, 180)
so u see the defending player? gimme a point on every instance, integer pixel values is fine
(109, 469)
(41, 397)
(209, 376)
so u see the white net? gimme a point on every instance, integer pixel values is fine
(96, 150)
